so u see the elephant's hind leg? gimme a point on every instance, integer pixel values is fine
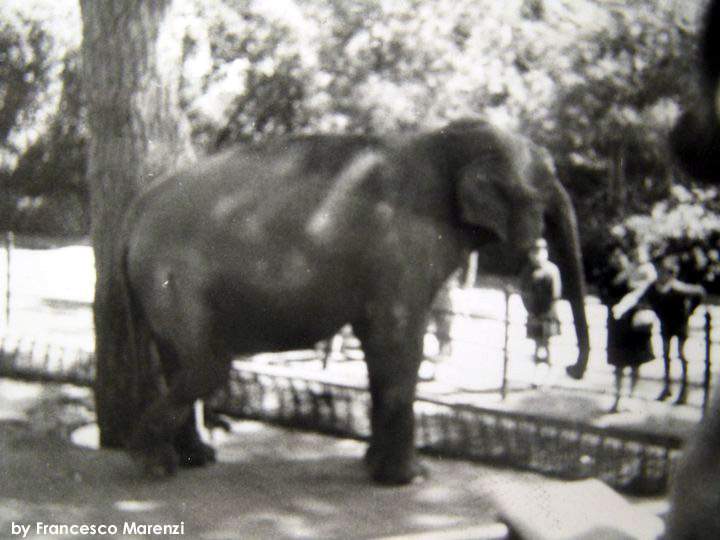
(166, 436)
(191, 450)
(152, 442)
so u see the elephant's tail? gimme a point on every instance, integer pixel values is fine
(133, 342)
(130, 318)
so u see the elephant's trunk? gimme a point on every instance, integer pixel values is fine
(562, 235)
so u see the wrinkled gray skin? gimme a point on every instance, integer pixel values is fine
(277, 246)
(695, 496)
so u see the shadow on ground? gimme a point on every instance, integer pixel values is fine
(268, 483)
(640, 416)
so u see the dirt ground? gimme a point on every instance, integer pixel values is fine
(268, 483)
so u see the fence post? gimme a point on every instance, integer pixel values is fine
(506, 352)
(708, 366)
(9, 243)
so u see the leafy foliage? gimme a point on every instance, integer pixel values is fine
(41, 130)
(686, 223)
(49, 178)
(597, 82)
(25, 72)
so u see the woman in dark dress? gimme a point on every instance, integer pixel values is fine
(629, 336)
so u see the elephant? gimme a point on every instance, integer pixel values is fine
(695, 139)
(275, 246)
(695, 491)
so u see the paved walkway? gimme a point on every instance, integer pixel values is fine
(587, 401)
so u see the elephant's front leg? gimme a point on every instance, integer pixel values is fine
(393, 354)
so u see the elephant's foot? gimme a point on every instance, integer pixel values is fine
(158, 462)
(389, 474)
(371, 456)
(154, 452)
(391, 471)
(195, 453)
(664, 394)
(576, 371)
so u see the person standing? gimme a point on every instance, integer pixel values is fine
(674, 302)
(541, 288)
(639, 277)
(629, 335)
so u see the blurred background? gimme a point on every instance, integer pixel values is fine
(598, 82)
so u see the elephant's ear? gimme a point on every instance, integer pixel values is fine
(482, 202)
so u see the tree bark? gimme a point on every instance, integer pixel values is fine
(132, 58)
(618, 189)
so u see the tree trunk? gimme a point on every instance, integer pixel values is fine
(618, 182)
(132, 58)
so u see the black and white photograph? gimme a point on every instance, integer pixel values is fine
(360, 269)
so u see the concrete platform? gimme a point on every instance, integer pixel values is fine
(587, 401)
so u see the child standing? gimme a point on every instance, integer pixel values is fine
(541, 289)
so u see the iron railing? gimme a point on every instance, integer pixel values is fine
(626, 459)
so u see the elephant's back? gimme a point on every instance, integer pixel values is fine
(278, 219)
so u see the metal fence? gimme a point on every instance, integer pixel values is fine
(26, 358)
(625, 459)
(628, 460)
(48, 294)
(509, 330)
